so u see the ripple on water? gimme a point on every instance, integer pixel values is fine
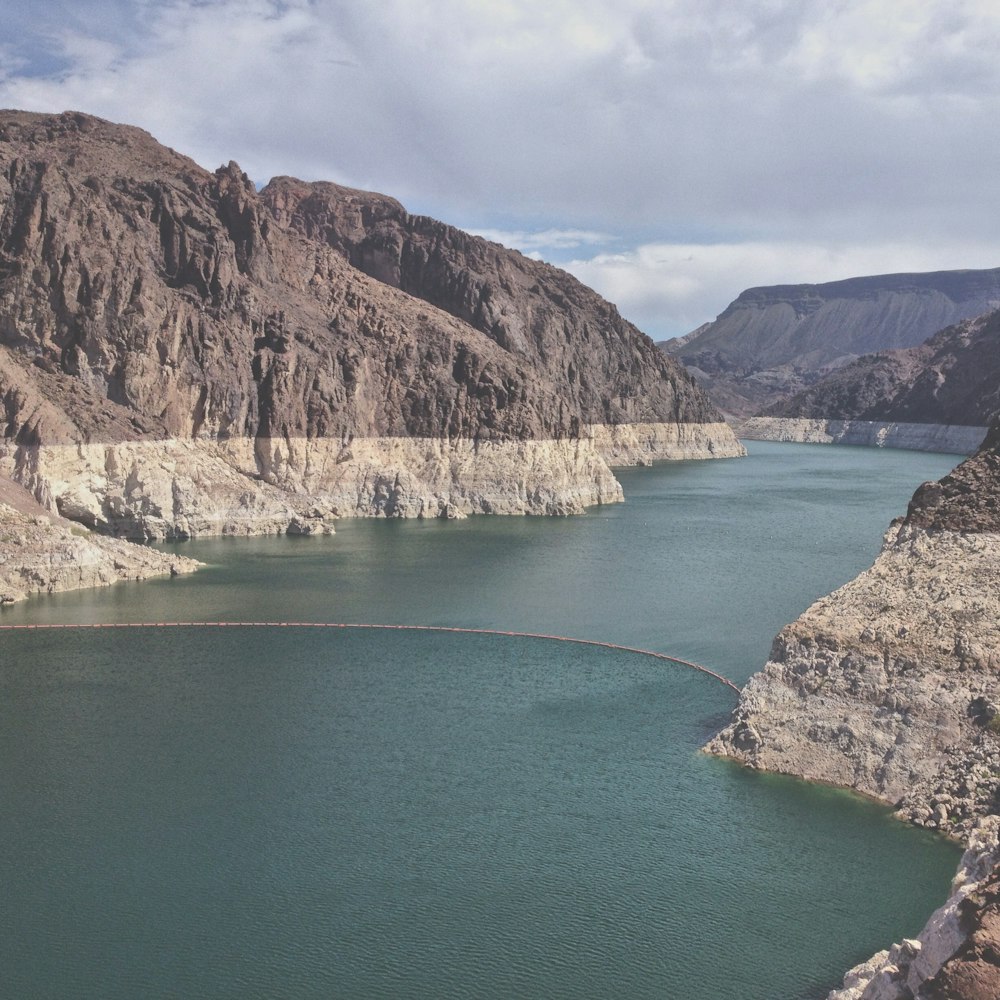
(315, 814)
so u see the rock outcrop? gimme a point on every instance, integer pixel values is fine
(955, 956)
(41, 553)
(775, 341)
(181, 355)
(891, 686)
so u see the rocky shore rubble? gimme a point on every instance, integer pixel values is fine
(41, 553)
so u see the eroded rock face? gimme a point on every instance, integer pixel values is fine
(967, 499)
(878, 686)
(540, 314)
(955, 956)
(954, 439)
(41, 553)
(223, 347)
(952, 379)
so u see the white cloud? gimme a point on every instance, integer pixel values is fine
(548, 240)
(769, 126)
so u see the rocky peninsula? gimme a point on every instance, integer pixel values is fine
(41, 552)
(891, 686)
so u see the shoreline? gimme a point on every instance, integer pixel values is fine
(952, 439)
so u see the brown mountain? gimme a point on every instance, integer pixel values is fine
(538, 313)
(774, 341)
(180, 354)
(952, 378)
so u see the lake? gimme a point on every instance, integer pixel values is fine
(214, 813)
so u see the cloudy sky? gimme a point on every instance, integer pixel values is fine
(669, 153)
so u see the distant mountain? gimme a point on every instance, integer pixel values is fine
(774, 341)
(952, 378)
(180, 354)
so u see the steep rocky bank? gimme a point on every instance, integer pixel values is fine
(955, 956)
(180, 355)
(891, 684)
(775, 341)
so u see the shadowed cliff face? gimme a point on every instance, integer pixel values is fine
(180, 297)
(967, 499)
(973, 972)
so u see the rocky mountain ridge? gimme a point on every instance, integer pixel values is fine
(774, 341)
(180, 354)
(536, 311)
(952, 377)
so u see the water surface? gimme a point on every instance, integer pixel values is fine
(303, 813)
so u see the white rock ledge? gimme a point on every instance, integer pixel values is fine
(182, 488)
(956, 439)
(42, 554)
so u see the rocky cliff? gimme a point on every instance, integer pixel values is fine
(954, 439)
(181, 355)
(955, 956)
(891, 685)
(775, 341)
(540, 314)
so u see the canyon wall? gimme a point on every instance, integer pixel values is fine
(955, 439)
(181, 355)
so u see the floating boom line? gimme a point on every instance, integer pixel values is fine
(398, 628)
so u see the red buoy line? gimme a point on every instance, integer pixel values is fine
(399, 628)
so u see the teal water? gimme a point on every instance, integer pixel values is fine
(304, 813)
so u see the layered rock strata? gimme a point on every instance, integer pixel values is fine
(772, 342)
(891, 686)
(944, 391)
(180, 355)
